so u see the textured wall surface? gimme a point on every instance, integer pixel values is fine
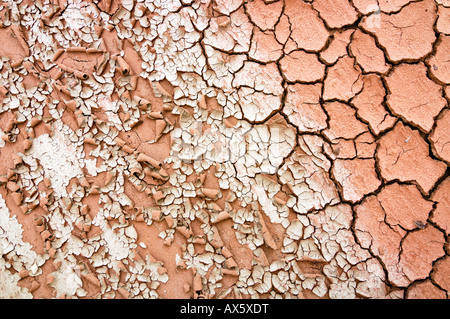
(224, 149)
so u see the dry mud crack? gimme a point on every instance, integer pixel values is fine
(224, 149)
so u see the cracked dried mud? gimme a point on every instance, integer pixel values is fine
(224, 149)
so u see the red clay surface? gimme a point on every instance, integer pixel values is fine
(225, 149)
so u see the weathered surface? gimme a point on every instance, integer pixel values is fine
(441, 214)
(440, 137)
(419, 250)
(225, 149)
(413, 96)
(404, 155)
(406, 35)
(327, 10)
(367, 54)
(425, 290)
(439, 63)
(404, 206)
(307, 29)
(303, 107)
(356, 177)
(343, 81)
(370, 107)
(299, 66)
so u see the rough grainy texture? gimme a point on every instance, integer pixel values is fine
(224, 149)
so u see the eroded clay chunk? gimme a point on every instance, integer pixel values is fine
(443, 20)
(328, 12)
(440, 136)
(264, 15)
(300, 66)
(441, 214)
(439, 63)
(343, 122)
(337, 47)
(264, 47)
(403, 154)
(389, 6)
(366, 7)
(419, 250)
(307, 29)
(425, 290)
(302, 106)
(441, 273)
(367, 54)
(383, 240)
(407, 35)
(357, 177)
(369, 104)
(413, 96)
(343, 80)
(404, 205)
(260, 89)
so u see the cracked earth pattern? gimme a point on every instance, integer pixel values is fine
(224, 149)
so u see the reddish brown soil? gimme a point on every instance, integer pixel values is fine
(225, 149)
